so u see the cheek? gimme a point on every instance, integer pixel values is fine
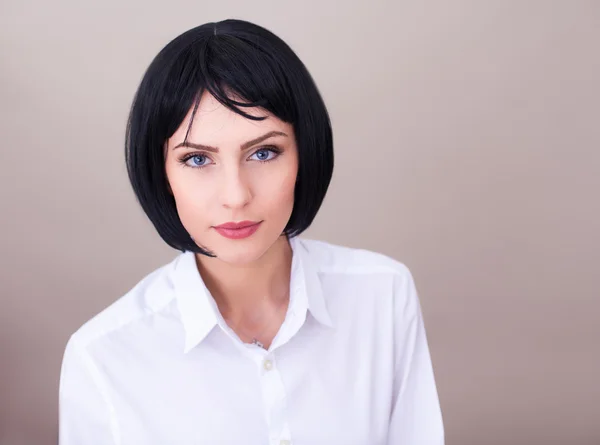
(279, 193)
(191, 196)
(191, 208)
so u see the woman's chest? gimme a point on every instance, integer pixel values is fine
(305, 393)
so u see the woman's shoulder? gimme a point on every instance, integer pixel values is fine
(333, 257)
(363, 268)
(150, 294)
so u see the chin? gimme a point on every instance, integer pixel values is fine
(240, 252)
(237, 257)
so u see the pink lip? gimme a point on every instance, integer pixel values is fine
(238, 230)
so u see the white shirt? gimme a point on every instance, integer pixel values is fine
(349, 366)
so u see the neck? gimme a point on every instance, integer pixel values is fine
(247, 291)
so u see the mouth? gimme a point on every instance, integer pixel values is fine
(239, 230)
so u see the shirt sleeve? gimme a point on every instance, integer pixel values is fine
(85, 413)
(416, 417)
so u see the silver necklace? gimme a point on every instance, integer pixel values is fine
(255, 338)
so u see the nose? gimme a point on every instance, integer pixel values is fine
(235, 189)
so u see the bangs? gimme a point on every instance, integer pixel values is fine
(237, 73)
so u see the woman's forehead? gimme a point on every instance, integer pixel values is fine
(214, 124)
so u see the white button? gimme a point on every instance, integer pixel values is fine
(285, 442)
(268, 365)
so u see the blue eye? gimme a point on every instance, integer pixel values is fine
(264, 154)
(200, 160)
(196, 161)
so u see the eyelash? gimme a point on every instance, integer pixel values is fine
(187, 157)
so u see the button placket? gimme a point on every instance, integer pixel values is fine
(268, 365)
(274, 399)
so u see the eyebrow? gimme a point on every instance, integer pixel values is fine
(244, 146)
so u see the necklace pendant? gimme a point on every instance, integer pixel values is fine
(257, 343)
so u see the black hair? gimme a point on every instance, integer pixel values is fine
(242, 65)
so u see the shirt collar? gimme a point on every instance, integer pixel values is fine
(199, 312)
(306, 292)
(196, 305)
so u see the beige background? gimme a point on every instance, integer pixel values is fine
(467, 139)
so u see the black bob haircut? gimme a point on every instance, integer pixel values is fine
(242, 65)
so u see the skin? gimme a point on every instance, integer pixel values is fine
(249, 278)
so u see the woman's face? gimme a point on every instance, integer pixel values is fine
(233, 169)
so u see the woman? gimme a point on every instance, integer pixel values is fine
(251, 335)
